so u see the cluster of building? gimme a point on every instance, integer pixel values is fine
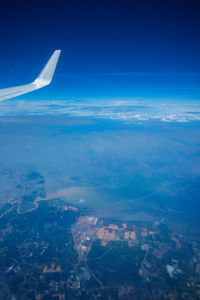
(87, 229)
(83, 233)
(68, 207)
(53, 268)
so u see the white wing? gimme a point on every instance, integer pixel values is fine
(42, 80)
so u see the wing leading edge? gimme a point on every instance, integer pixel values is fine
(44, 79)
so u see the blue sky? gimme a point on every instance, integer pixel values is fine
(109, 48)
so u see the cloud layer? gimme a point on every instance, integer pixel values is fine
(128, 110)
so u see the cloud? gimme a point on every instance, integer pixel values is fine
(130, 110)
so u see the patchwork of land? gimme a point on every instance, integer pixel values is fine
(57, 251)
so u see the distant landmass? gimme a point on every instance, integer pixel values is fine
(53, 250)
(99, 200)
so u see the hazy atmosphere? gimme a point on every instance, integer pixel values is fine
(118, 158)
(100, 161)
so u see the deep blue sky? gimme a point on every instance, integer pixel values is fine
(109, 48)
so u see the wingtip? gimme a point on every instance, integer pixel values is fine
(57, 51)
(47, 73)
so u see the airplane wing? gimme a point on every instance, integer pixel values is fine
(44, 78)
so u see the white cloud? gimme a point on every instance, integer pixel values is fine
(117, 109)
